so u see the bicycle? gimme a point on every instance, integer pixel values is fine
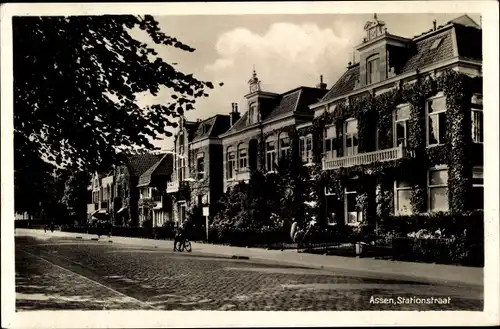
(183, 245)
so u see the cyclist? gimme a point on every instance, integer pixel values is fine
(179, 236)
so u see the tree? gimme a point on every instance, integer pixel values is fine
(75, 195)
(76, 80)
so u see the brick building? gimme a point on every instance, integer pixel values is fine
(197, 172)
(262, 135)
(401, 131)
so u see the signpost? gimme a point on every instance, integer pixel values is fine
(206, 213)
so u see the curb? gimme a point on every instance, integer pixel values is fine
(342, 270)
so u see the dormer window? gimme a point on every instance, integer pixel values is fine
(436, 43)
(371, 70)
(252, 113)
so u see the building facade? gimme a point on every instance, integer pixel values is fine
(154, 203)
(263, 134)
(100, 191)
(197, 172)
(401, 131)
(126, 191)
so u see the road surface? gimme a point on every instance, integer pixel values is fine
(69, 274)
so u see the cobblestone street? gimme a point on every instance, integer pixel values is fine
(62, 273)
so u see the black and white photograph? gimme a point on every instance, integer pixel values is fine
(271, 161)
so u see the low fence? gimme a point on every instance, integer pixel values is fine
(458, 251)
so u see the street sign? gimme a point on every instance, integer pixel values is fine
(205, 211)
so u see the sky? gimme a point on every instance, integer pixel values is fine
(287, 51)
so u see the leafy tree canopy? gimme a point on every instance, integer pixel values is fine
(76, 80)
(75, 85)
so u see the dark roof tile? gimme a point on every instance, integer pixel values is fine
(211, 127)
(161, 167)
(344, 85)
(423, 54)
(295, 100)
(139, 163)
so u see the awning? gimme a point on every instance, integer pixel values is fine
(121, 209)
(158, 206)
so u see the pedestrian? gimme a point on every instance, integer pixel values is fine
(52, 226)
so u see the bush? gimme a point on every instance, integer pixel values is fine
(470, 224)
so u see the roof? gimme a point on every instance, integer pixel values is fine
(139, 163)
(469, 42)
(156, 169)
(211, 127)
(421, 54)
(345, 84)
(293, 101)
(465, 20)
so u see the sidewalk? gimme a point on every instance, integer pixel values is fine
(366, 267)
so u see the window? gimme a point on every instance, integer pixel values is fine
(436, 123)
(353, 215)
(242, 157)
(351, 137)
(477, 119)
(477, 188)
(330, 142)
(230, 163)
(333, 205)
(200, 165)
(402, 200)
(270, 154)
(305, 148)
(438, 190)
(371, 71)
(251, 113)
(284, 146)
(436, 43)
(182, 168)
(181, 140)
(401, 118)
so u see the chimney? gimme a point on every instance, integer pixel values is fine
(234, 115)
(434, 24)
(321, 84)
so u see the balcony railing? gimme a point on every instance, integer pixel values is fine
(369, 157)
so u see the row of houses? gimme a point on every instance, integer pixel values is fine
(392, 125)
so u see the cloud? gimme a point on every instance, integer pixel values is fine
(286, 55)
(219, 64)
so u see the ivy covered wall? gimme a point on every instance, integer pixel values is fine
(455, 153)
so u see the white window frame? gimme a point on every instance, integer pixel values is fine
(345, 137)
(477, 118)
(230, 163)
(329, 192)
(251, 112)
(283, 150)
(270, 154)
(430, 187)
(396, 198)
(396, 121)
(242, 160)
(305, 154)
(482, 177)
(200, 174)
(435, 113)
(371, 77)
(359, 213)
(332, 154)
